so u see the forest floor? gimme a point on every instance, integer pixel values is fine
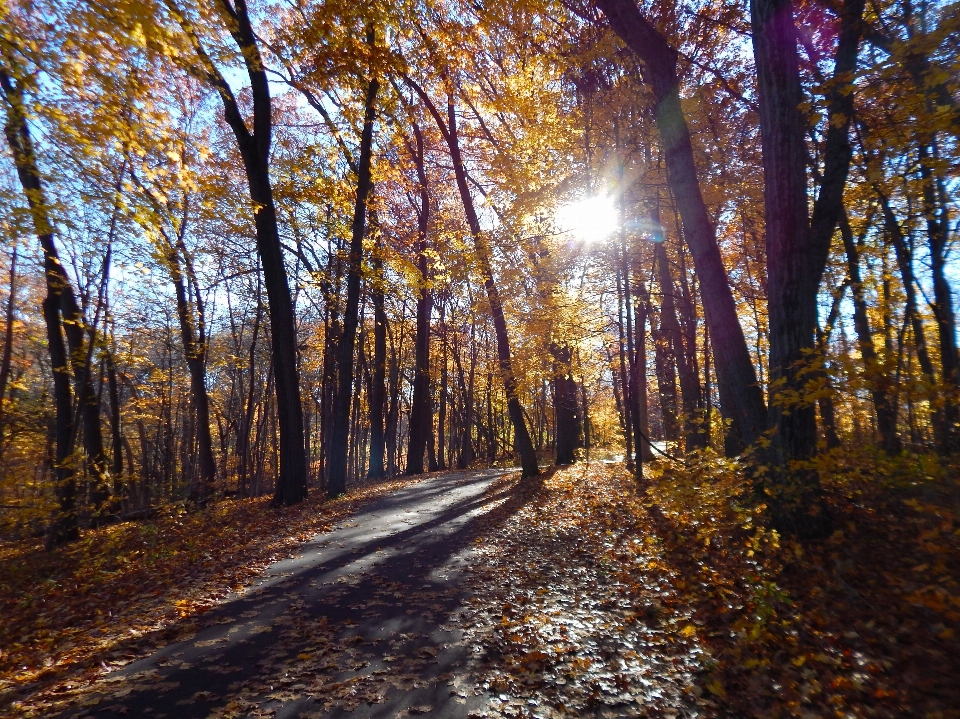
(477, 594)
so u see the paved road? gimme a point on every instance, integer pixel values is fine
(362, 622)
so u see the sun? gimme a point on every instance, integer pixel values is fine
(592, 219)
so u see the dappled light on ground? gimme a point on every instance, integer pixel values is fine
(576, 613)
(580, 593)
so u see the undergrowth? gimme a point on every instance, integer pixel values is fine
(862, 623)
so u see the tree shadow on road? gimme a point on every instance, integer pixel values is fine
(370, 631)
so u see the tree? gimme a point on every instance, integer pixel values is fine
(421, 414)
(797, 247)
(736, 377)
(522, 444)
(255, 150)
(337, 477)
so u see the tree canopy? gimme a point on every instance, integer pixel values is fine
(277, 247)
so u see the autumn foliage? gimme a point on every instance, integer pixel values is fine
(689, 265)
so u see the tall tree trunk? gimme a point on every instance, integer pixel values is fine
(116, 433)
(624, 378)
(707, 389)
(629, 307)
(331, 340)
(63, 316)
(522, 444)
(878, 377)
(935, 210)
(244, 483)
(697, 437)
(64, 527)
(640, 372)
(393, 409)
(825, 402)
(421, 414)
(736, 377)
(904, 255)
(378, 444)
(666, 377)
(442, 410)
(7, 358)
(797, 250)
(291, 485)
(195, 353)
(337, 458)
(566, 405)
(670, 328)
(792, 265)
(617, 398)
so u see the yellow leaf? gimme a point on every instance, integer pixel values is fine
(716, 688)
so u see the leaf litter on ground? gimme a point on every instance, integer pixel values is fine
(122, 591)
(593, 595)
(607, 597)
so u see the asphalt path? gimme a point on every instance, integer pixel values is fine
(361, 622)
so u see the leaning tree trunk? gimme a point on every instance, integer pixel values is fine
(522, 444)
(63, 316)
(736, 377)
(64, 526)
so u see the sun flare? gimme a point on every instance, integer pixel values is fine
(592, 219)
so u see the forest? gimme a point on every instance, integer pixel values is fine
(628, 325)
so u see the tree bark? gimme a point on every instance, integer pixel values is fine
(63, 317)
(195, 354)
(877, 375)
(935, 209)
(825, 402)
(244, 483)
(421, 415)
(670, 329)
(116, 432)
(378, 444)
(442, 410)
(522, 443)
(904, 254)
(7, 358)
(337, 458)
(793, 265)
(291, 485)
(797, 250)
(735, 372)
(566, 405)
(624, 378)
